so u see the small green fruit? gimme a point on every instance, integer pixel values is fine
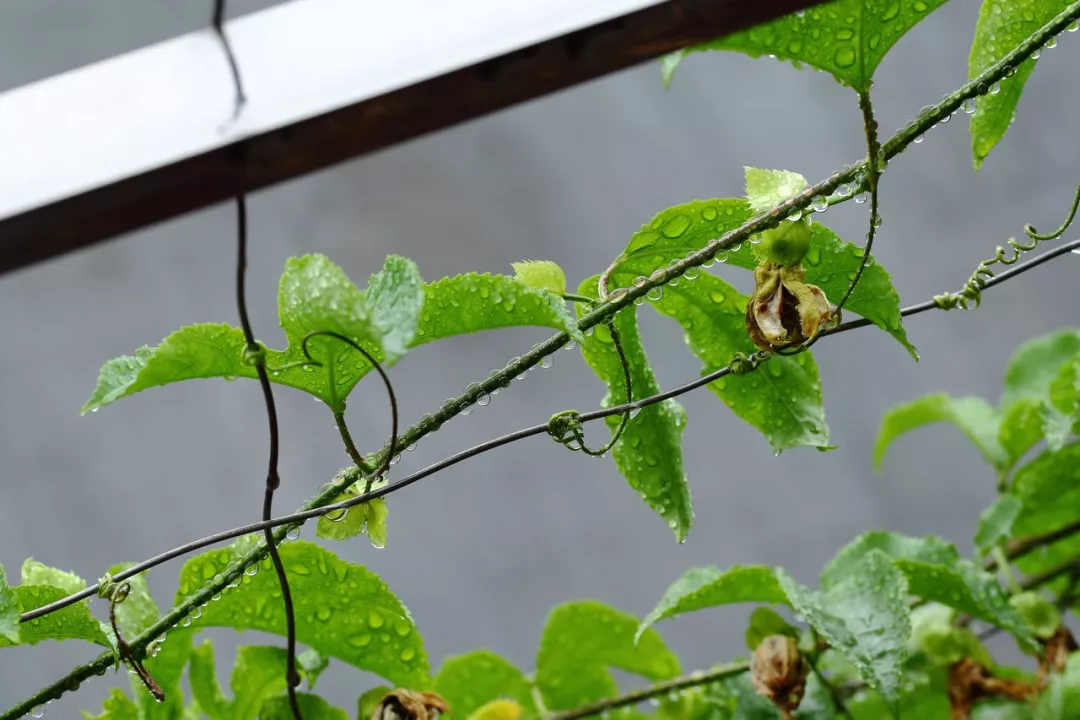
(785, 244)
(1038, 612)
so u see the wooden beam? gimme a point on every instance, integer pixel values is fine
(144, 137)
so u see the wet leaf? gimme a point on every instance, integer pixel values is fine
(342, 610)
(765, 189)
(649, 452)
(581, 641)
(116, 707)
(864, 616)
(541, 274)
(830, 263)
(706, 587)
(846, 38)
(74, 622)
(9, 612)
(258, 674)
(36, 573)
(312, 707)
(996, 523)
(973, 416)
(470, 681)
(1003, 24)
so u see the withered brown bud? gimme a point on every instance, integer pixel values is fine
(971, 681)
(785, 310)
(1056, 651)
(778, 671)
(404, 704)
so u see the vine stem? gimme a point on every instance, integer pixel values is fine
(700, 677)
(318, 505)
(273, 480)
(1016, 550)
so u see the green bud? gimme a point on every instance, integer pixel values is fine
(1038, 612)
(944, 644)
(785, 244)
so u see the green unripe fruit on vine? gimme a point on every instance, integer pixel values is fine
(785, 244)
(1038, 612)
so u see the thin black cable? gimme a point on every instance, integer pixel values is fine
(492, 444)
(219, 29)
(273, 481)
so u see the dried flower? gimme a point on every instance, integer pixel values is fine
(404, 704)
(971, 681)
(778, 671)
(785, 310)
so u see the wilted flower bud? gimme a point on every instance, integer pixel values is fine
(778, 671)
(409, 705)
(785, 309)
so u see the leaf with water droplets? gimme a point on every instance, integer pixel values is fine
(1061, 698)
(312, 707)
(9, 612)
(342, 610)
(782, 398)
(541, 274)
(368, 518)
(765, 189)
(1060, 412)
(396, 297)
(649, 452)
(973, 416)
(1049, 488)
(258, 674)
(864, 616)
(706, 587)
(996, 523)
(936, 572)
(74, 622)
(830, 262)
(469, 681)
(582, 640)
(116, 707)
(1036, 364)
(846, 38)
(1003, 24)
(37, 573)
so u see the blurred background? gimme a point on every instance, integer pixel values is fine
(481, 552)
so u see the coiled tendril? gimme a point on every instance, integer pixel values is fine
(116, 593)
(970, 296)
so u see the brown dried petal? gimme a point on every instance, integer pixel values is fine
(1056, 651)
(402, 704)
(784, 309)
(971, 681)
(778, 672)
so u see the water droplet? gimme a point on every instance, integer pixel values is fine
(656, 293)
(547, 361)
(1036, 54)
(1073, 27)
(819, 204)
(691, 273)
(843, 190)
(293, 532)
(709, 263)
(571, 345)
(918, 139)
(587, 332)
(1010, 71)
(845, 56)
(795, 215)
(994, 89)
(360, 641)
(186, 622)
(484, 400)
(94, 410)
(324, 614)
(196, 612)
(1051, 43)
(754, 239)
(878, 221)
(945, 119)
(721, 257)
(336, 515)
(634, 412)
(969, 106)
(38, 712)
(861, 198)
(640, 281)
(375, 620)
(407, 654)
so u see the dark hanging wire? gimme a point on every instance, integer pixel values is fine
(219, 30)
(256, 355)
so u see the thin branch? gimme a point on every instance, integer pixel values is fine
(701, 677)
(318, 505)
(838, 702)
(273, 481)
(1023, 547)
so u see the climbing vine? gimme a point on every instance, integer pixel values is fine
(895, 627)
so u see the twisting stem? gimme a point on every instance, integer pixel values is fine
(319, 504)
(273, 481)
(219, 29)
(701, 677)
(873, 172)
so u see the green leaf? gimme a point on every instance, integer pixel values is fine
(314, 294)
(865, 616)
(924, 698)
(830, 263)
(9, 612)
(1061, 411)
(1049, 488)
(935, 571)
(1021, 430)
(846, 38)
(996, 523)
(581, 641)
(312, 663)
(1061, 699)
(342, 610)
(258, 674)
(73, 622)
(649, 452)
(312, 707)
(367, 702)
(935, 635)
(782, 398)
(36, 573)
(138, 611)
(764, 622)
(1036, 364)
(541, 274)
(368, 518)
(973, 416)
(469, 681)
(765, 189)
(706, 587)
(1003, 24)
(116, 707)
